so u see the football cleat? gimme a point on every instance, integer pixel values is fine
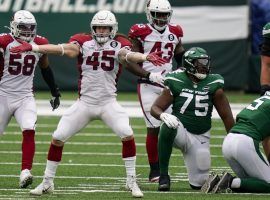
(43, 188)
(132, 186)
(154, 176)
(210, 183)
(26, 178)
(164, 183)
(224, 184)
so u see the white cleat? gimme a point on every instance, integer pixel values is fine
(132, 186)
(26, 178)
(43, 188)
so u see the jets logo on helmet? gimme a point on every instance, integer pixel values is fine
(159, 13)
(266, 30)
(196, 61)
(23, 25)
(104, 18)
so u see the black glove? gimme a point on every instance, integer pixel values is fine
(55, 100)
(264, 88)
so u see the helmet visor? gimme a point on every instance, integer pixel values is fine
(202, 65)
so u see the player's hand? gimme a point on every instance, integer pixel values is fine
(156, 77)
(55, 100)
(21, 48)
(170, 120)
(156, 59)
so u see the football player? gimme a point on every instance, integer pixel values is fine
(265, 60)
(241, 149)
(192, 93)
(158, 35)
(16, 85)
(100, 56)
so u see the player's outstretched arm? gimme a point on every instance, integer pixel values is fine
(70, 50)
(265, 74)
(222, 105)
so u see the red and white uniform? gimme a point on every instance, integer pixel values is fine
(16, 83)
(152, 41)
(99, 70)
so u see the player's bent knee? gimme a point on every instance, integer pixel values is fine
(203, 159)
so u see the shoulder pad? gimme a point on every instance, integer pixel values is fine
(176, 29)
(123, 40)
(80, 38)
(5, 39)
(139, 30)
(39, 40)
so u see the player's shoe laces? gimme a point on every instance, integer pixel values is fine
(164, 183)
(132, 186)
(210, 183)
(26, 178)
(224, 185)
(154, 176)
(45, 187)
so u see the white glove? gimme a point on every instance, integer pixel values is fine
(156, 77)
(170, 120)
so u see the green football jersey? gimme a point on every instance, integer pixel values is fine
(254, 120)
(193, 102)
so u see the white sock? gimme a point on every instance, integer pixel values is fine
(236, 183)
(130, 163)
(50, 170)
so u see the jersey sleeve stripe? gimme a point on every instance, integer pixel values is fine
(174, 79)
(216, 81)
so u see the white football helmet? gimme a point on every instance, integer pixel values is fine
(159, 13)
(23, 25)
(107, 19)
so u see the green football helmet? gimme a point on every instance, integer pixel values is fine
(196, 61)
(266, 30)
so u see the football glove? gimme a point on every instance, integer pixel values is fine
(264, 88)
(55, 100)
(170, 120)
(156, 59)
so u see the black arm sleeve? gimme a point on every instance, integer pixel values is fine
(178, 58)
(265, 47)
(47, 75)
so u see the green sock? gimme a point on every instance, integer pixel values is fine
(254, 185)
(165, 145)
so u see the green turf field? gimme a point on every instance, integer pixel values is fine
(92, 167)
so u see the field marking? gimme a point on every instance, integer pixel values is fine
(94, 153)
(101, 165)
(41, 125)
(90, 143)
(88, 134)
(145, 192)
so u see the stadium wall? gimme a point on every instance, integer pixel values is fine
(221, 27)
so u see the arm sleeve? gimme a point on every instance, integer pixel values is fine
(48, 76)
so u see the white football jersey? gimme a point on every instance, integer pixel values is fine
(17, 69)
(153, 41)
(99, 67)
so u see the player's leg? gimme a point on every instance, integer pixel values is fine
(165, 145)
(74, 119)
(5, 113)
(26, 116)
(147, 94)
(245, 151)
(114, 115)
(197, 158)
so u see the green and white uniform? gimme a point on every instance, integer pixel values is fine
(193, 105)
(241, 146)
(265, 48)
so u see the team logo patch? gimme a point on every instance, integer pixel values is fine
(171, 37)
(206, 88)
(114, 44)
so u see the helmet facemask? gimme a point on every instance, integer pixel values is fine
(160, 20)
(102, 37)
